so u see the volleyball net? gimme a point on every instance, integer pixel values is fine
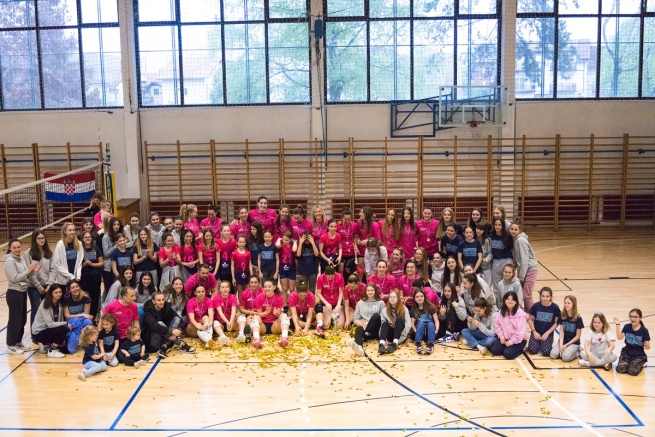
(49, 202)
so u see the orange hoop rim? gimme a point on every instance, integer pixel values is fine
(475, 123)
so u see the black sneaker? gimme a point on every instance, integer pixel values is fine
(382, 350)
(163, 351)
(187, 349)
(247, 331)
(392, 348)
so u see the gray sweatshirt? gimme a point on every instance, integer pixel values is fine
(437, 274)
(131, 235)
(486, 326)
(523, 255)
(504, 286)
(107, 248)
(365, 309)
(44, 319)
(486, 253)
(408, 323)
(470, 302)
(18, 277)
(46, 275)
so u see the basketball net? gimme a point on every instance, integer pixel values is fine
(475, 126)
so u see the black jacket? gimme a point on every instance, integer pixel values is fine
(151, 319)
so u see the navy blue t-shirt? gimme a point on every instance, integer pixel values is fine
(92, 255)
(450, 246)
(544, 316)
(108, 339)
(147, 264)
(132, 347)
(498, 248)
(307, 262)
(76, 307)
(267, 255)
(123, 259)
(469, 252)
(634, 340)
(569, 327)
(71, 258)
(90, 351)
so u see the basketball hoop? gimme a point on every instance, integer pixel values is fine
(476, 132)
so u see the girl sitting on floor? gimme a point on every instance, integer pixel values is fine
(599, 344)
(637, 342)
(367, 319)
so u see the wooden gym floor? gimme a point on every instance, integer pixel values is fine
(319, 388)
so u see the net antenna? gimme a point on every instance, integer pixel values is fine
(475, 126)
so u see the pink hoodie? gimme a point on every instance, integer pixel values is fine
(512, 327)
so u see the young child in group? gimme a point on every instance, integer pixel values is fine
(637, 342)
(329, 246)
(208, 251)
(425, 320)
(352, 294)
(396, 267)
(329, 297)
(188, 258)
(104, 213)
(509, 283)
(482, 235)
(200, 317)
(438, 267)
(375, 252)
(132, 351)
(301, 304)
(469, 251)
(241, 267)
(269, 258)
(510, 326)
(226, 245)
(481, 331)
(383, 280)
(287, 247)
(247, 309)
(544, 318)
(168, 255)
(526, 263)
(269, 307)
(396, 324)
(570, 331)
(599, 344)
(108, 339)
(367, 319)
(93, 360)
(452, 315)
(225, 310)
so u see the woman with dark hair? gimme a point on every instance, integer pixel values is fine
(91, 270)
(407, 227)
(18, 274)
(263, 214)
(109, 243)
(510, 327)
(39, 252)
(50, 327)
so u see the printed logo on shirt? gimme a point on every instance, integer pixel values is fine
(268, 254)
(636, 340)
(451, 248)
(91, 256)
(135, 349)
(569, 327)
(544, 317)
(71, 254)
(109, 340)
(469, 252)
(124, 261)
(77, 309)
(497, 244)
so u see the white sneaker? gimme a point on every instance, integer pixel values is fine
(13, 350)
(353, 345)
(142, 362)
(483, 350)
(583, 363)
(54, 353)
(81, 376)
(209, 344)
(24, 348)
(464, 342)
(223, 341)
(138, 364)
(42, 349)
(241, 338)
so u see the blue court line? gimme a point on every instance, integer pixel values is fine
(618, 398)
(129, 402)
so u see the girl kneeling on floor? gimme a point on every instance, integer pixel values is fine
(570, 331)
(637, 342)
(544, 317)
(481, 331)
(599, 344)
(425, 321)
(269, 307)
(510, 327)
(396, 324)
(367, 318)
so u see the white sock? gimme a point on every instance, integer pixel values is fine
(254, 326)
(395, 340)
(382, 342)
(319, 323)
(240, 331)
(285, 327)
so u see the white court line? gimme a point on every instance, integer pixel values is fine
(585, 425)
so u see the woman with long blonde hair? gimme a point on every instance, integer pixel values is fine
(68, 257)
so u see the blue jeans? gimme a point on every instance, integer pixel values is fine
(474, 338)
(421, 327)
(92, 367)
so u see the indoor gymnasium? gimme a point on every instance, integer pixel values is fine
(327, 217)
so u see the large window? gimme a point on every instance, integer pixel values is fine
(59, 54)
(574, 49)
(222, 52)
(382, 50)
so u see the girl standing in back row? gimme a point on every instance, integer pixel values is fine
(526, 263)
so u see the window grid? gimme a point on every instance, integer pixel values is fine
(603, 10)
(457, 19)
(222, 24)
(38, 29)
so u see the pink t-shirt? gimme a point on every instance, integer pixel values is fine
(363, 233)
(226, 304)
(396, 271)
(194, 280)
(426, 234)
(287, 259)
(208, 255)
(408, 241)
(262, 302)
(215, 225)
(125, 315)
(389, 241)
(301, 227)
(319, 229)
(302, 306)
(240, 230)
(279, 231)
(405, 286)
(432, 296)
(331, 245)
(241, 263)
(188, 253)
(347, 233)
(247, 298)
(199, 309)
(163, 254)
(330, 287)
(193, 226)
(384, 284)
(226, 249)
(355, 295)
(266, 218)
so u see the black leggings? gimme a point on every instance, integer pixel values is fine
(91, 284)
(52, 335)
(371, 332)
(390, 334)
(129, 360)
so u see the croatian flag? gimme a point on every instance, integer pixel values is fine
(72, 188)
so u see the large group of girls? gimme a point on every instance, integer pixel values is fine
(428, 280)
